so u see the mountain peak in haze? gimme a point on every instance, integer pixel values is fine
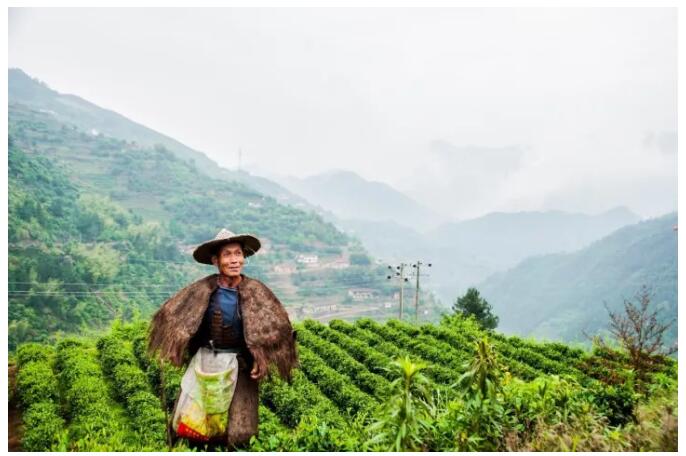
(619, 211)
(352, 197)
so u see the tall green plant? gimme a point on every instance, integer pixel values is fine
(483, 372)
(476, 419)
(405, 420)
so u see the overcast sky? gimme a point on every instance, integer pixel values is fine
(469, 111)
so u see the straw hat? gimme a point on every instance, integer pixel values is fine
(203, 253)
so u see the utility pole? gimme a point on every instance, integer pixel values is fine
(416, 292)
(240, 156)
(399, 273)
(402, 288)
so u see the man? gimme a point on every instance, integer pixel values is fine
(228, 310)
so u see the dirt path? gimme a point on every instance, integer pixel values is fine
(14, 417)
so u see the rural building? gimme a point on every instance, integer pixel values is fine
(308, 259)
(360, 294)
(285, 268)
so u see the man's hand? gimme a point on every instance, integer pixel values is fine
(259, 370)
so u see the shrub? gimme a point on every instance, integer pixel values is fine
(30, 352)
(36, 383)
(42, 424)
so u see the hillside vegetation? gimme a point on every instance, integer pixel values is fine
(100, 227)
(561, 296)
(362, 386)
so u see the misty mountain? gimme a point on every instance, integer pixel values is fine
(86, 116)
(467, 252)
(388, 239)
(351, 197)
(507, 238)
(560, 295)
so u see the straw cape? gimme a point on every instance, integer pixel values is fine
(268, 334)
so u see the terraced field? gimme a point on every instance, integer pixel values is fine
(107, 395)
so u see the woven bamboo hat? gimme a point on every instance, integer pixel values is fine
(203, 253)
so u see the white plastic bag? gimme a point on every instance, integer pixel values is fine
(207, 389)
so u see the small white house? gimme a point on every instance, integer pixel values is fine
(360, 294)
(284, 268)
(308, 259)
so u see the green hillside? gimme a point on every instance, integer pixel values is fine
(559, 296)
(88, 117)
(162, 187)
(100, 227)
(77, 260)
(450, 390)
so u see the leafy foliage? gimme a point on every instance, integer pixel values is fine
(473, 304)
(405, 418)
(73, 257)
(362, 387)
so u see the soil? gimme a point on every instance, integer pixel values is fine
(14, 416)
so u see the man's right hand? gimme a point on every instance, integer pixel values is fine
(259, 371)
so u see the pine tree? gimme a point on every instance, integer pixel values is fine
(473, 304)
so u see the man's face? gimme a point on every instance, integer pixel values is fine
(229, 259)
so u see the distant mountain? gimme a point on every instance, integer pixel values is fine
(71, 109)
(467, 252)
(389, 240)
(349, 196)
(558, 296)
(507, 238)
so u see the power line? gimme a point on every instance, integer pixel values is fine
(192, 263)
(84, 283)
(168, 290)
(170, 285)
(20, 293)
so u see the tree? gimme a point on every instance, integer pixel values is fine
(639, 332)
(473, 304)
(359, 259)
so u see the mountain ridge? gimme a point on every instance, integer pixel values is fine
(350, 196)
(69, 108)
(560, 295)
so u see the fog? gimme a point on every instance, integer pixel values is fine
(466, 110)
